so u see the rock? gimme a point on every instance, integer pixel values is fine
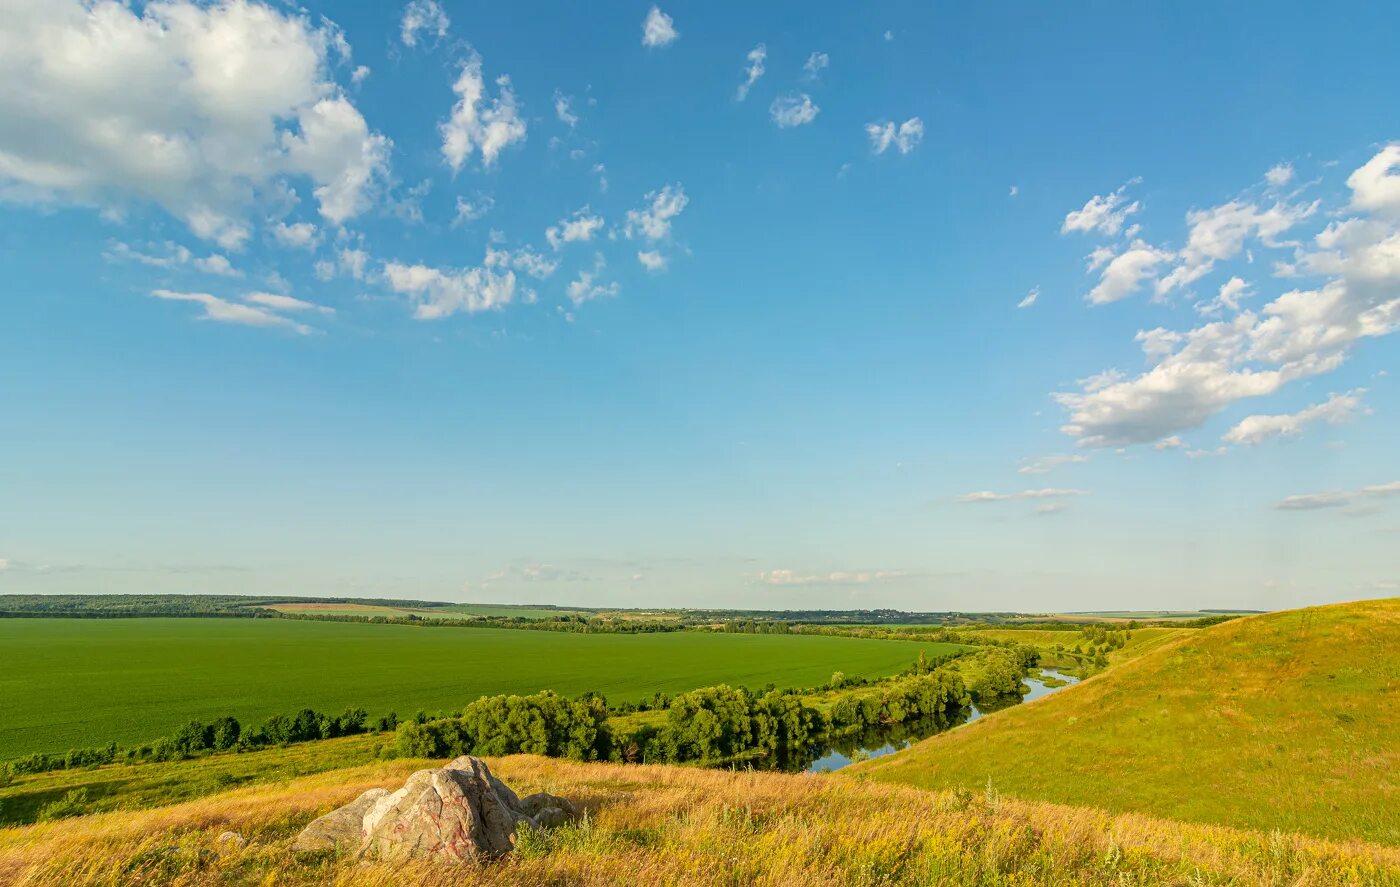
(231, 840)
(460, 812)
(341, 828)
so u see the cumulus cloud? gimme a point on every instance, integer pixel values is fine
(1375, 187)
(1030, 298)
(278, 302)
(586, 287)
(479, 123)
(1304, 332)
(201, 109)
(903, 138)
(422, 17)
(653, 221)
(652, 260)
(658, 29)
(1045, 493)
(170, 255)
(1338, 498)
(581, 227)
(756, 57)
(793, 110)
(441, 292)
(1104, 213)
(1279, 175)
(836, 577)
(254, 311)
(471, 210)
(816, 63)
(1125, 273)
(1337, 409)
(563, 109)
(300, 235)
(1227, 299)
(1045, 464)
(1219, 233)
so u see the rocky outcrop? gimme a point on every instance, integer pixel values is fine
(341, 828)
(460, 812)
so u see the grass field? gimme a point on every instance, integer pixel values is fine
(686, 826)
(1288, 720)
(76, 682)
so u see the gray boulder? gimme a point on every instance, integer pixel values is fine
(460, 812)
(341, 828)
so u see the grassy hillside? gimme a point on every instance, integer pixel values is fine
(1140, 641)
(77, 682)
(682, 826)
(1288, 720)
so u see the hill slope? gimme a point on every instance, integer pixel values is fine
(1286, 720)
(686, 826)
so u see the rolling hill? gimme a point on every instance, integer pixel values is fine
(1286, 720)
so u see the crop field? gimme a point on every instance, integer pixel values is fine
(68, 683)
(1290, 719)
(450, 611)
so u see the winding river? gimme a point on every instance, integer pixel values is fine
(844, 751)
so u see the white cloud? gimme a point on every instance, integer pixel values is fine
(422, 16)
(171, 255)
(816, 63)
(652, 260)
(1125, 274)
(226, 311)
(586, 287)
(279, 302)
(1193, 375)
(653, 222)
(1046, 493)
(200, 109)
(1375, 186)
(1030, 299)
(477, 123)
(1169, 443)
(756, 58)
(1104, 213)
(524, 259)
(563, 109)
(904, 138)
(658, 29)
(1338, 498)
(1335, 410)
(1013, 192)
(442, 292)
(1279, 175)
(836, 577)
(580, 227)
(1045, 464)
(1227, 300)
(793, 110)
(471, 210)
(301, 235)
(1220, 233)
(360, 74)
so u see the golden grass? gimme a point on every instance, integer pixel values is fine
(1286, 720)
(684, 826)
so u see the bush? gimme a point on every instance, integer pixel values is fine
(74, 803)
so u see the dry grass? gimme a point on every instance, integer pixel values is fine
(682, 826)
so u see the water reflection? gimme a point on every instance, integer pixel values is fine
(877, 742)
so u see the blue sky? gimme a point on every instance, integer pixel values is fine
(983, 307)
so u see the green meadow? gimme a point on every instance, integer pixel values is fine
(68, 683)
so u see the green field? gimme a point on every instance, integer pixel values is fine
(68, 683)
(1282, 721)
